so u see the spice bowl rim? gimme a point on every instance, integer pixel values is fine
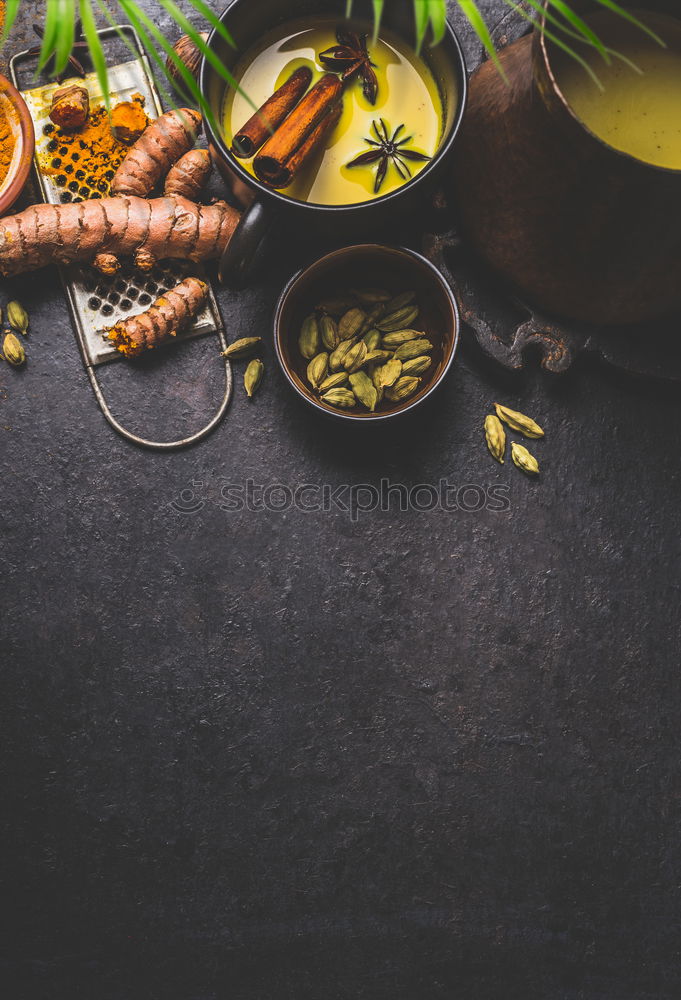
(19, 173)
(409, 405)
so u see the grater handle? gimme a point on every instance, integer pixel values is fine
(163, 445)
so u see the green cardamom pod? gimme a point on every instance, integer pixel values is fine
(17, 317)
(328, 329)
(378, 386)
(340, 397)
(371, 295)
(364, 390)
(253, 376)
(399, 301)
(338, 356)
(404, 387)
(13, 350)
(242, 348)
(308, 341)
(523, 459)
(376, 356)
(417, 366)
(371, 318)
(317, 369)
(398, 320)
(372, 338)
(355, 357)
(495, 435)
(389, 373)
(350, 323)
(393, 340)
(519, 422)
(337, 306)
(412, 349)
(333, 381)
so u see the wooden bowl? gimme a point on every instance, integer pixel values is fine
(17, 114)
(368, 265)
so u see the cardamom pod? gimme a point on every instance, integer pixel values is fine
(13, 350)
(364, 390)
(495, 435)
(393, 340)
(333, 381)
(371, 318)
(308, 341)
(412, 349)
(350, 323)
(17, 317)
(523, 459)
(328, 329)
(338, 356)
(404, 387)
(519, 422)
(389, 373)
(378, 386)
(398, 320)
(399, 301)
(371, 295)
(374, 356)
(253, 376)
(355, 357)
(337, 306)
(372, 339)
(340, 397)
(317, 369)
(242, 348)
(417, 366)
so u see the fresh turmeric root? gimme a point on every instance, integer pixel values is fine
(151, 157)
(101, 231)
(169, 313)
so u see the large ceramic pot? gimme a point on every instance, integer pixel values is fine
(266, 208)
(576, 227)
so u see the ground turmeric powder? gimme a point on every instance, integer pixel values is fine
(7, 144)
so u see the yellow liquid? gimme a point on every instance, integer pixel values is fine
(407, 94)
(639, 114)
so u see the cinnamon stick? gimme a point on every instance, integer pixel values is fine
(300, 134)
(269, 117)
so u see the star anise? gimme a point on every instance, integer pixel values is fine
(351, 57)
(388, 149)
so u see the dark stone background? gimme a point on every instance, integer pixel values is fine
(288, 755)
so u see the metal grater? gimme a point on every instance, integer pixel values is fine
(97, 302)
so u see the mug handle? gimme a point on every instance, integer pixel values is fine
(247, 248)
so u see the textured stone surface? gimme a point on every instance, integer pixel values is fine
(259, 755)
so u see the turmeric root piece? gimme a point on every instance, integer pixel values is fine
(106, 263)
(166, 227)
(70, 107)
(162, 320)
(128, 121)
(189, 175)
(162, 144)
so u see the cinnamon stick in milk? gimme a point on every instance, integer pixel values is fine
(269, 117)
(301, 134)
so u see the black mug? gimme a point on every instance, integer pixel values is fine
(265, 208)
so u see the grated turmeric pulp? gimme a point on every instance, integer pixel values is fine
(82, 163)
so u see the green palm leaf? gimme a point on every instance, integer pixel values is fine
(60, 17)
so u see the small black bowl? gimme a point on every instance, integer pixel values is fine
(374, 265)
(265, 207)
